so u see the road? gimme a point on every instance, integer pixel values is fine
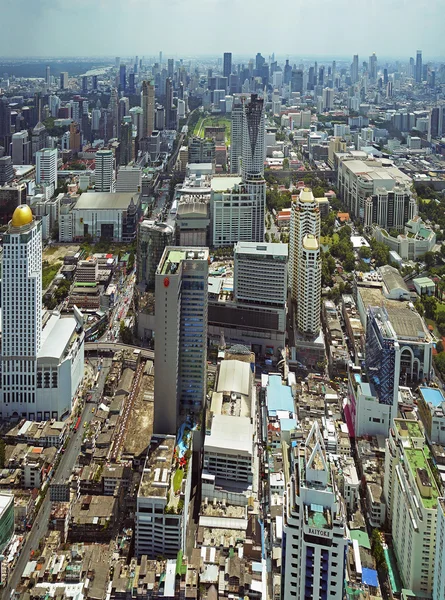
(64, 470)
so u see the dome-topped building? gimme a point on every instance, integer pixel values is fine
(21, 216)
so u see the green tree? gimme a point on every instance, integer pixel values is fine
(429, 304)
(439, 347)
(430, 259)
(365, 252)
(267, 237)
(419, 307)
(286, 164)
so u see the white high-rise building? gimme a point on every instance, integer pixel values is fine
(309, 287)
(104, 172)
(54, 105)
(314, 526)
(328, 98)
(260, 275)
(181, 297)
(41, 370)
(20, 148)
(46, 167)
(95, 119)
(129, 179)
(439, 562)
(305, 220)
(412, 499)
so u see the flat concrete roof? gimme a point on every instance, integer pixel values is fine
(233, 435)
(223, 183)
(105, 201)
(255, 248)
(407, 323)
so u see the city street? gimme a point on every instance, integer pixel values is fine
(64, 469)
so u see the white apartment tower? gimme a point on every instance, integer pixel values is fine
(20, 148)
(309, 287)
(260, 273)
(148, 108)
(104, 171)
(252, 172)
(236, 142)
(180, 336)
(46, 167)
(439, 563)
(315, 537)
(411, 494)
(21, 315)
(305, 220)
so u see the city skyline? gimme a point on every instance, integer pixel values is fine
(131, 21)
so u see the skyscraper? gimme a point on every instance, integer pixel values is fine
(122, 78)
(354, 69)
(64, 80)
(126, 144)
(48, 76)
(170, 67)
(309, 287)
(305, 221)
(297, 81)
(148, 108)
(252, 172)
(315, 536)
(236, 145)
(227, 64)
(5, 118)
(169, 124)
(114, 110)
(419, 66)
(21, 310)
(46, 167)
(373, 67)
(41, 370)
(6, 170)
(104, 174)
(180, 336)
(20, 148)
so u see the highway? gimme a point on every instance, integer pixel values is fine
(64, 470)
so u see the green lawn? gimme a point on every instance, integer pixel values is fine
(49, 272)
(177, 479)
(215, 121)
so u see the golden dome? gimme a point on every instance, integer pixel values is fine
(21, 216)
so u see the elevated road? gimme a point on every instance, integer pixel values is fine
(99, 347)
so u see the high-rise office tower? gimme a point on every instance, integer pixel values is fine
(315, 535)
(131, 83)
(297, 81)
(287, 72)
(122, 78)
(236, 145)
(21, 315)
(126, 153)
(252, 171)
(5, 118)
(152, 239)
(373, 67)
(170, 67)
(419, 66)
(160, 58)
(180, 336)
(104, 174)
(84, 84)
(321, 75)
(64, 80)
(75, 137)
(309, 287)
(305, 220)
(227, 64)
(169, 124)
(328, 98)
(39, 138)
(114, 110)
(20, 148)
(148, 108)
(123, 109)
(94, 82)
(46, 167)
(95, 119)
(6, 170)
(48, 76)
(54, 105)
(354, 69)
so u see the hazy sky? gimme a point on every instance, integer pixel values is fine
(188, 27)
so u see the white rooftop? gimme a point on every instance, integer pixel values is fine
(234, 376)
(56, 336)
(255, 248)
(223, 183)
(232, 435)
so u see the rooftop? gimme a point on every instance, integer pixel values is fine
(271, 249)
(226, 182)
(105, 201)
(432, 396)
(234, 376)
(392, 278)
(232, 434)
(409, 428)
(418, 459)
(158, 467)
(56, 336)
(173, 256)
(279, 396)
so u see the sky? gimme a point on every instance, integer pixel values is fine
(337, 28)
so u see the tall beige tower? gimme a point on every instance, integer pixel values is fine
(305, 220)
(309, 287)
(148, 108)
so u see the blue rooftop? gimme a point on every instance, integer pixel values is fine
(288, 424)
(369, 577)
(432, 396)
(279, 397)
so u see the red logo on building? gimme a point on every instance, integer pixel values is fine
(166, 282)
